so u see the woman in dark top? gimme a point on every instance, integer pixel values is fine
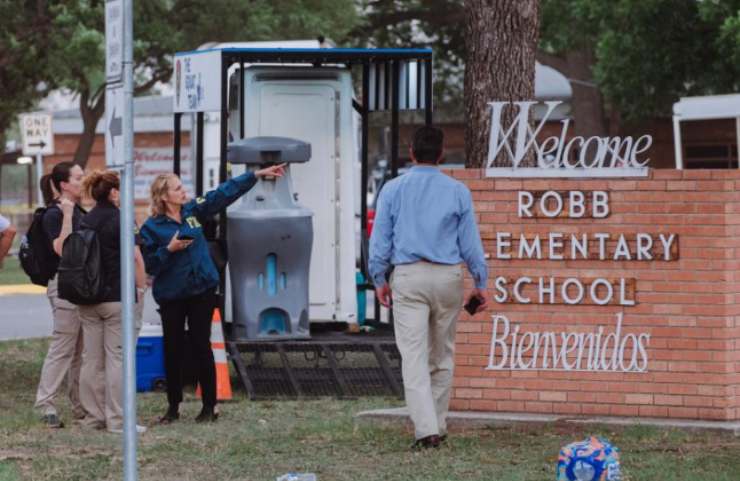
(62, 189)
(101, 323)
(185, 277)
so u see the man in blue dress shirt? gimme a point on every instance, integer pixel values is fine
(425, 227)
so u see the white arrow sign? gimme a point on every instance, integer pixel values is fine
(114, 126)
(37, 135)
(114, 40)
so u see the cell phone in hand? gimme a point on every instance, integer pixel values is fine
(473, 305)
(185, 237)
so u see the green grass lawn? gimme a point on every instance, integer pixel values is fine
(11, 273)
(261, 440)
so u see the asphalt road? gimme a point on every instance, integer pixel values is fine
(25, 316)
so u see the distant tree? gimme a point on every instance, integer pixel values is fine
(25, 28)
(645, 54)
(626, 59)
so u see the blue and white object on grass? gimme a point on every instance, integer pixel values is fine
(297, 477)
(592, 459)
(150, 358)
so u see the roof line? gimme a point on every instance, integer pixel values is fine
(317, 51)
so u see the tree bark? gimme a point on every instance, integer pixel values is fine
(501, 41)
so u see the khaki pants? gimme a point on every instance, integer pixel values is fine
(426, 302)
(101, 388)
(64, 357)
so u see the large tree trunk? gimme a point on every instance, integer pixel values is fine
(91, 114)
(501, 42)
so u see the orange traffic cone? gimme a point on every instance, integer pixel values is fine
(223, 383)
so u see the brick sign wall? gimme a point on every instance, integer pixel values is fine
(610, 297)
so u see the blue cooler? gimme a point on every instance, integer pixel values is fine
(150, 359)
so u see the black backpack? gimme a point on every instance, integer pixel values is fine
(36, 260)
(80, 270)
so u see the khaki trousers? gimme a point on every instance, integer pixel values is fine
(101, 387)
(426, 302)
(64, 358)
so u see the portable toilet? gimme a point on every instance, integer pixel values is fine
(269, 238)
(314, 105)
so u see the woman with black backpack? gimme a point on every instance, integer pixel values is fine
(62, 190)
(101, 322)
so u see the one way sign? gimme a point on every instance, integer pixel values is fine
(114, 126)
(37, 134)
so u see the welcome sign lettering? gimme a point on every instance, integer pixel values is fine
(559, 155)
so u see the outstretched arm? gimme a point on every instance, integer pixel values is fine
(228, 192)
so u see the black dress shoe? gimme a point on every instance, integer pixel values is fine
(207, 415)
(427, 442)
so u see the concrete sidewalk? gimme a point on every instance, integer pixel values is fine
(462, 419)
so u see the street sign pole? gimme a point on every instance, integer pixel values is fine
(39, 173)
(128, 289)
(39, 169)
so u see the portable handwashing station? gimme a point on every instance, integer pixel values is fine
(269, 238)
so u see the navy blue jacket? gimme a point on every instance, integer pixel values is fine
(189, 272)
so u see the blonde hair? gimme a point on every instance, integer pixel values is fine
(159, 188)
